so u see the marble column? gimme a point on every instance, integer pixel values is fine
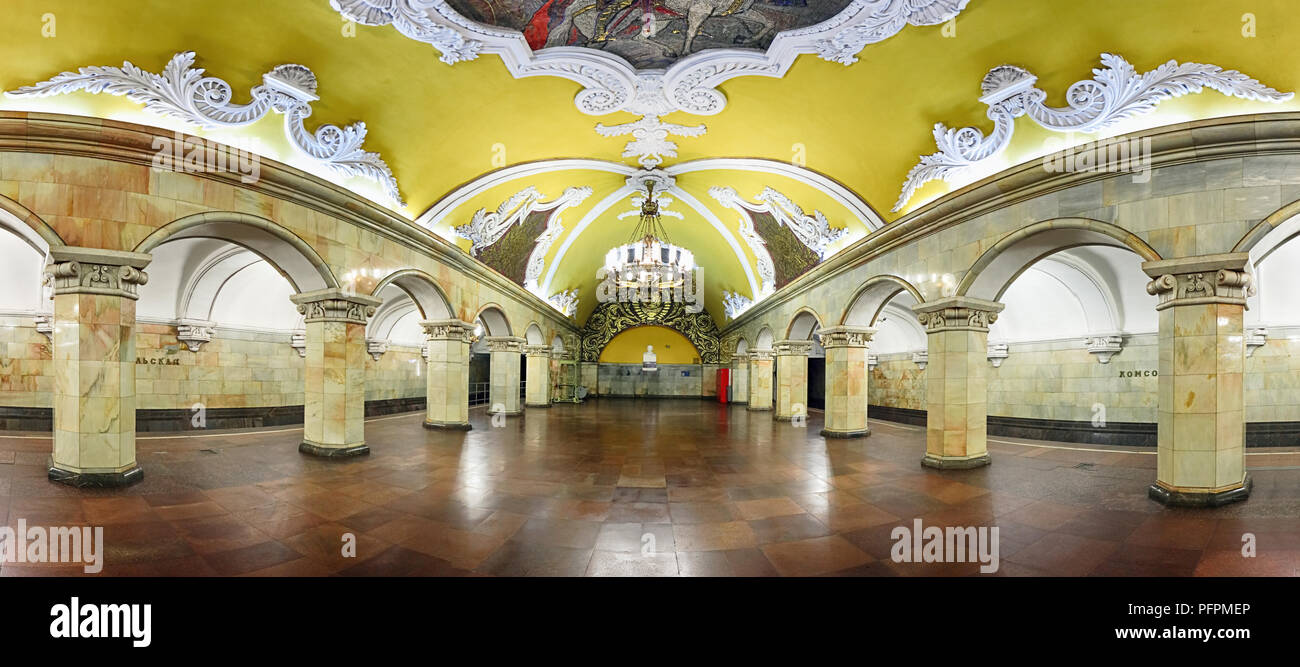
(538, 391)
(760, 380)
(791, 378)
(957, 331)
(847, 381)
(740, 378)
(94, 365)
(334, 394)
(504, 388)
(447, 382)
(1201, 431)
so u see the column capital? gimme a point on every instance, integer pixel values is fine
(758, 355)
(335, 305)
(505, 343)
(538, 350)
(846, 336)
(740, 356)
(957, 313)
(96, 271)
(1200, 280)
(453, 330)
(792, 348)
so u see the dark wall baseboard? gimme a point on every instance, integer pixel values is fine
(1128, 434)
(153, 421)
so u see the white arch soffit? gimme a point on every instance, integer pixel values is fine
(28, 238)
(764, 336)
(803, 325)
(742, 346)
(1274, 239)
(863, 311)
(460, 196)
(902, 315)
(1101, 308)
(424, 295)
(840, 194)
(494, 322)
(397, 304)
(624, 192)
(199, 293)
(9, 222)
(302, 275)
(557, 343)
(533, 334)
(611, 84)
(994, 278)
(1087, 296)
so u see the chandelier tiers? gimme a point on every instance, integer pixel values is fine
(649, 229)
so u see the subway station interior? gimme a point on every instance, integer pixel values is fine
(633, 288)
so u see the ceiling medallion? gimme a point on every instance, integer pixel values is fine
(1116, 92)
(183, 92)
(653, 77)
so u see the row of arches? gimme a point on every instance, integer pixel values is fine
(1060, 279)
(237, 270)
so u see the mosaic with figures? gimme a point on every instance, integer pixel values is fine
(650, 33)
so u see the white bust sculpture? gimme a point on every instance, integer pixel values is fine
(648, 363)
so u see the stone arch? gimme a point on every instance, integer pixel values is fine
(28, 226)
(533, 334)
(803, 324)
(422, 289)
(871, 298)
(742, 346)
(297, 261)
(1271, 234)
(495, 322)
(764, 339)
(999, 266)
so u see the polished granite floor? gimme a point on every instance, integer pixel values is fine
(622, 487)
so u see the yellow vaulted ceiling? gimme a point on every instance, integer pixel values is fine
(441, 126)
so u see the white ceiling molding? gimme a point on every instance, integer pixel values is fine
(842, 195)
(766, 269)
(537, 259)
(458, 197)
(814, 231)
(650, 144)
(611, 84)
(183, 92)
(565, 301)
(735, 304)
(486, 228)
(1116, 92)
(437, 213)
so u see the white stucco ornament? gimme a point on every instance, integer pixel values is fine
(1117, 92)
(182, 91)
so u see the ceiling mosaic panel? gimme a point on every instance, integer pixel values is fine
(509, 254)
(679, 28)
(790, 257)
